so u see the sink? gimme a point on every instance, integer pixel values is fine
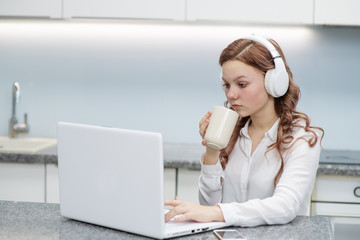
(25, 144)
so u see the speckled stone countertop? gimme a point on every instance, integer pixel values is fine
(24, 220)
(332, 162)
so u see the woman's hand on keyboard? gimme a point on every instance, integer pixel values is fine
(187, 211)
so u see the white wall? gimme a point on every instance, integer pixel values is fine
(163, 77)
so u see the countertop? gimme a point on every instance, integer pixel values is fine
(332, 162)
(25, 220)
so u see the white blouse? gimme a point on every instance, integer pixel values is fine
(245, 189)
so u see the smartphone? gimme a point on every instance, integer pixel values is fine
(227, 234)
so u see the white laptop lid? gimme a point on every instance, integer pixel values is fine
(105, 174)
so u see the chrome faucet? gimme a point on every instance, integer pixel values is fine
(14, 126)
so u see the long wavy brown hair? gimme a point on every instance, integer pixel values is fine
(256, 55)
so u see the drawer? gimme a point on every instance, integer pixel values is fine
(340, 189)
(335, 209)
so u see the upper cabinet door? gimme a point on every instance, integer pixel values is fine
(255, 11)
(33, 8)
(139, 9)
(337, 12)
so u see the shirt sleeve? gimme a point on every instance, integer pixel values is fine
(210, 183)
(293, 190)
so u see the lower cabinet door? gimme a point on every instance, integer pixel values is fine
(52, 183)
(169, 183)
(22, 182)
(188, 185)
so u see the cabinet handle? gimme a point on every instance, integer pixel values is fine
(357, 192)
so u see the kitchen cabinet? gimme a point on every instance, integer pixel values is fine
(169, 183)
(337, 12)
(258, 11)
(133, 9)
(34, 8)
(188, 185)
(52, 183)
(22, 182)
(338, 197)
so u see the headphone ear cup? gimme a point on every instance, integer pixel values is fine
(276, 82)
(269, 81)
(282, 83)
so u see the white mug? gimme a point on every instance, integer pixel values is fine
(221, 127)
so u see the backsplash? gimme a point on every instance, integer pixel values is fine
(164, 76)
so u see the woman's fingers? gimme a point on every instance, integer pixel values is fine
(184, 211)
(182, 218)
(172, 203)
(204, 122)
(206, 116)
(203, 127)
(175, 211)
(179, 211)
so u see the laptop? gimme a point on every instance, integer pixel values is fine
(115, 178)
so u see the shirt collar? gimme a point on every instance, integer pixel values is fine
(272, 133)
(244, 131)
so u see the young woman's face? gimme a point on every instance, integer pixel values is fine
(244, 88)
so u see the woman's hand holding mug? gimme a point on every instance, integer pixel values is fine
(216, 128)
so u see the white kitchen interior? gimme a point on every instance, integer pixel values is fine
(153, 65)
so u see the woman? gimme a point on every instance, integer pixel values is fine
(266, 173)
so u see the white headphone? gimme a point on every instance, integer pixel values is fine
(277, 79)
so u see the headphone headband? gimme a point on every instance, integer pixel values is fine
(274, 53)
